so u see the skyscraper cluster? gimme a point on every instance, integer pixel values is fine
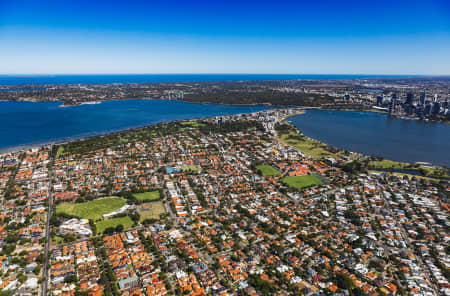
(409, 106)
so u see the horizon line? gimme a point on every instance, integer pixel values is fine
(218, 73)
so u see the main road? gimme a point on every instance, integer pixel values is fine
(47, 228)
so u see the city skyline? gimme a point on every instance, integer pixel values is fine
(411, 38)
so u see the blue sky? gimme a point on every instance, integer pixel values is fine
(314, 37)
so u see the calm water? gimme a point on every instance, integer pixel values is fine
(378, 134)
(26, 123)
(166, 78)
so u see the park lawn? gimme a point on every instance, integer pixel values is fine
(154, 211)
(300, 182)
(189, 168)
(113, 222)
(93, 209)
(267, 170)
(57, 239)
(60, 152)
(148, 196)
(307, 146)
(409, 175)
(193, 123)
(438, 172)
(432, 172)
(387, 164)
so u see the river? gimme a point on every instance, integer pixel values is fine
(378, 134)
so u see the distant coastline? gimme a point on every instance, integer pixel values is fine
(65, 105)
(175, 78)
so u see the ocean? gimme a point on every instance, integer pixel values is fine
(169, 78)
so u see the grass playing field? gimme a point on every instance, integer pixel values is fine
(93, 209)
(300, 182)
(152, 212)
(267, 170)
(148, 196)
(113, 222)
